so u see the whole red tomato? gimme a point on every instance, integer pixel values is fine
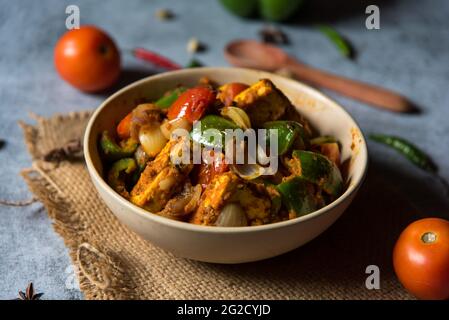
(421, 258)
(87, 58)
(192, 104)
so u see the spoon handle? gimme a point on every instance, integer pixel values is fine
(361, 91)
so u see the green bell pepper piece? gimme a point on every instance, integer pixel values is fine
(289, 133)
(297, 197)
(119, 170)
(212, 122)
(112, 151)
(167, 99)
(317, 169)
(242, 8)
(278, 10)
(273, 10)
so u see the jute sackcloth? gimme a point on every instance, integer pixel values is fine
(115, 263)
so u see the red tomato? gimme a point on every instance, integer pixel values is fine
(421, 258)
(87, 58)
(230, 90)
(207, 172)
(192, 104)
(124, 126)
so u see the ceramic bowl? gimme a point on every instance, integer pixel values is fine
(225, 244)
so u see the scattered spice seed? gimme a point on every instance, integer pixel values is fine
(271, 34)
(164, 14)
(70, 151)
(194, 46)
(342, 44)
(410, 151)
(29, 294)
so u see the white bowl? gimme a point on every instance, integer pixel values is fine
(225, 244)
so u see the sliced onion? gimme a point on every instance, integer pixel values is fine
(238, 116)
(194, 200)
(248, 171)
(152, 139)
(141, 157)
(167, 183)
(168, 126)
(142, 115)
(232, 215)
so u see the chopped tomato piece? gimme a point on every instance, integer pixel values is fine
(206, 172)
(123, 128)
(191, 104)
(228, 91)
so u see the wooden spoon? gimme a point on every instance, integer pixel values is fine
(257, 55)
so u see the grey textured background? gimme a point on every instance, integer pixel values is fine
(409, 54)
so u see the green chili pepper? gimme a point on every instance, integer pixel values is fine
(194, 63)
(411, 152)
(168, 98)
(317, 169)
(212, 122)
(112, 151)
(289, 133)
(297, 196)
(339, 41)
(119, 171)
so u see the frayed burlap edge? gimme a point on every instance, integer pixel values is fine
(96, 271)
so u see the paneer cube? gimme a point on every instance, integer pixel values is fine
(217, 192)
(159, 181)
(256, 206)
(226, 188)
(262, 102)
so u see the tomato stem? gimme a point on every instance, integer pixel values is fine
(429, 237)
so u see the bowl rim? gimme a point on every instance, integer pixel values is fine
(352, 188)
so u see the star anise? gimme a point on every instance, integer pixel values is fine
(29, 294)
(72, 150)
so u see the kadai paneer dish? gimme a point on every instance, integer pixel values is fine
(138, 164)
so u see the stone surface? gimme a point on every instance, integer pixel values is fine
(409, 54)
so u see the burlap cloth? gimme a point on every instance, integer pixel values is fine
(114, 263)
